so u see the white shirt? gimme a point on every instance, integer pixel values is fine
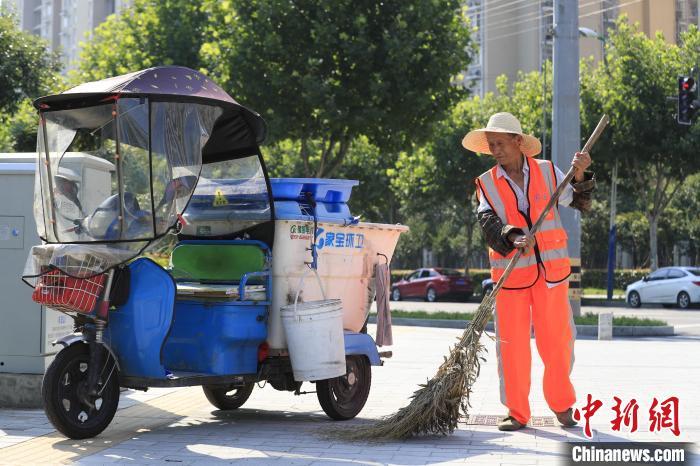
(565, 199)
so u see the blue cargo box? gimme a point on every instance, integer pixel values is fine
(322, 190)
(325, 212)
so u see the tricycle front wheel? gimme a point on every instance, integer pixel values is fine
(344, 397)
(69, 407)
(228, 397)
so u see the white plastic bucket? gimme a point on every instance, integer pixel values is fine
(315, 339)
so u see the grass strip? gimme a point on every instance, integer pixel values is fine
(588, 318)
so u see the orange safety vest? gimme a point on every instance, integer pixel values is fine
(550, 251)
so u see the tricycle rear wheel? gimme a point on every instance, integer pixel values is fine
(343, 397)
(228, 397)
(64, 388)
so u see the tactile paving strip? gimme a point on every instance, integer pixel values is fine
(492, 420)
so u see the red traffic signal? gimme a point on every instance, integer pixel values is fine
(686, 100)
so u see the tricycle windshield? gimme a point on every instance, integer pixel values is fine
(114, 177)
(118, 172)
(231, 197)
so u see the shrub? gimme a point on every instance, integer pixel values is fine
(598, 278)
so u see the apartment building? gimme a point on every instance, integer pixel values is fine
(515, 35)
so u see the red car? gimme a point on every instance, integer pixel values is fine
(433, 284)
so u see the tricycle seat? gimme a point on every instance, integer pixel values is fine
(218, 292)
(221, 270)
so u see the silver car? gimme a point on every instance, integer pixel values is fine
(667, 285)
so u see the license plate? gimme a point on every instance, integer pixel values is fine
(461, 282)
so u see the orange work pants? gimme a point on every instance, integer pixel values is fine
(555, 334)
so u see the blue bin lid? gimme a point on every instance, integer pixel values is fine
(321, 189)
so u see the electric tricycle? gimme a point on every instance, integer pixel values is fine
(183, 263)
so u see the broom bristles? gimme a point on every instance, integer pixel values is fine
(438, 406)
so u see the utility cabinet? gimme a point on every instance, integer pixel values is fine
(26, 328)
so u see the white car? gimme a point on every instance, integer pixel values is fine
(667, 285)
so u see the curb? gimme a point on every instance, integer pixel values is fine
(581, 330)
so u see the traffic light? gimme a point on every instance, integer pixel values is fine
(686, 98)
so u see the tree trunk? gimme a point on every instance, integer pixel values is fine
(653, 245)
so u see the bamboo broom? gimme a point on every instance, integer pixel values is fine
(435, 407)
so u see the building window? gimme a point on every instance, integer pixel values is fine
(473, 74)
(686, 14)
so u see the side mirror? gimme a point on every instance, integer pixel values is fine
(646, 279)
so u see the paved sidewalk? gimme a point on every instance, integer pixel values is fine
(179, 426)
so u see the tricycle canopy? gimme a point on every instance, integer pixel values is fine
(119, 159)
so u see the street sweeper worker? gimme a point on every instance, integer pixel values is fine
(511, 197)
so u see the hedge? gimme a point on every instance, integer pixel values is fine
(592, 278)
(598, 278)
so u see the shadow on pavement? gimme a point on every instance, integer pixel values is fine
(258, 436)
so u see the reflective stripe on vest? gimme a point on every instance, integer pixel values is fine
(550, 241)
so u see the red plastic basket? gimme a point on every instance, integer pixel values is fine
(64, 293)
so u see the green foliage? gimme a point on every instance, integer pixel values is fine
(685, 218)
(327, 72)
(589, 318)
(23, 127)
(148, 33)
(654, 153)
(436, 181)
(594, 233)
(633, 235)
(27, 69)
(18, 130)
(598, 278)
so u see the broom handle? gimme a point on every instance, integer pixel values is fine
(553, 200)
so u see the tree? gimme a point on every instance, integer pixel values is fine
(27, 68)
(23, 125)
(330, 71)
(437, 180)
(148, 33)
(655, 154)
(686, 220)
(594, 233)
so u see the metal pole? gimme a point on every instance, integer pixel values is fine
(566, 124)
(613, 232)
(544, 102)
(544, 81)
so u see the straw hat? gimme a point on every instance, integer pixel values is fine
(503, 122)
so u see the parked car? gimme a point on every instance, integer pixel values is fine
(667, 285)
(433, 284)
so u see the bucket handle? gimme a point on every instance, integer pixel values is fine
(301, 284)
